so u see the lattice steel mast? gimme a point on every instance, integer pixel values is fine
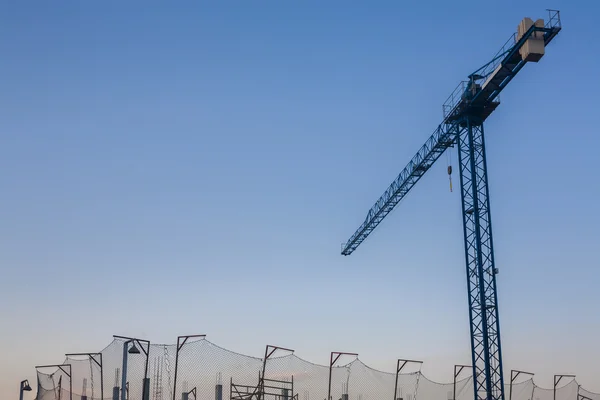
(464, 113)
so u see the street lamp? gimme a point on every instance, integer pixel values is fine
(144, 346)
(24, 388)
(126, 351)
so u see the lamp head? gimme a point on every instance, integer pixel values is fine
(133, 349)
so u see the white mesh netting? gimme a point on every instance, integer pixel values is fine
(203, 365)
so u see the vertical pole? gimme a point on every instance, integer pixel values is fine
(146, 389)
(176, 364)
(101, 378)
(261, 381)
(22, 387)
(69, 375)
(396, 383)
(124, 370)
(146, 383)
(329, 382)
(218, 391)
(265, 361)
(511, 384)
(331, 362)
(454, 385)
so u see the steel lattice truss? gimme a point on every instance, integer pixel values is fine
(481, 273)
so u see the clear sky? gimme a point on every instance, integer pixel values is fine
(193, 168)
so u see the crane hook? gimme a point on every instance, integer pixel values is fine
(450, 176)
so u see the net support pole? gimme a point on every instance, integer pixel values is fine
(98, 362)
(400, 364)
(269, 350)
(181, 340)
(68, 374)
(333, 358)
(513, 376)
(101, 377)
(557, 379)
(457, 370)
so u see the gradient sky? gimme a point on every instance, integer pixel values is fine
(190, 168)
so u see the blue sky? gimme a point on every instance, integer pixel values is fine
(162, 164)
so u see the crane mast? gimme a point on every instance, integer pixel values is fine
(465, 111)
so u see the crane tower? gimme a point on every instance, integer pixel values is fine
(464, 113)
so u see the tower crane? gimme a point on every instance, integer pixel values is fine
(464, 113)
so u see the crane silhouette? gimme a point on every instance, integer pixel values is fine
(464, 113)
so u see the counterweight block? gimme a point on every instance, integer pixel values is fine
(534, 47)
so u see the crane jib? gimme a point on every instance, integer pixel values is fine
(496, 75)
(442, 138)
